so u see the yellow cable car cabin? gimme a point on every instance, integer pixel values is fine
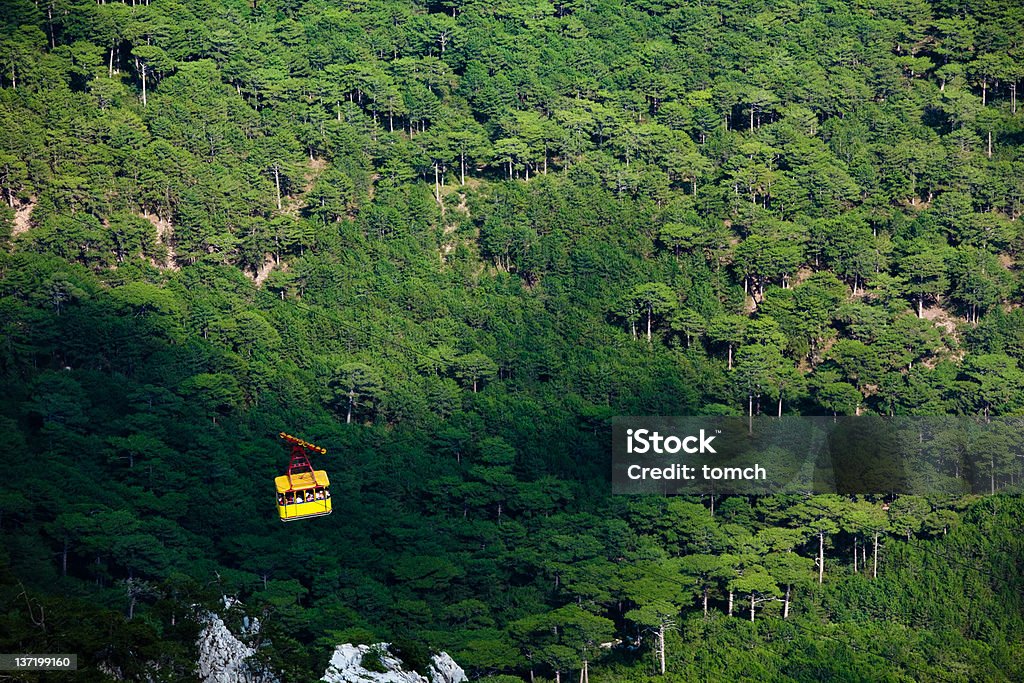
(302, 491)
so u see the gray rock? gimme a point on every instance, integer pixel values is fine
(223, 658)
(347, 667)
(444, 670)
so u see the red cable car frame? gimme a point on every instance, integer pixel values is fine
(302, 492)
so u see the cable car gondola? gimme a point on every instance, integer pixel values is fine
(302, 492)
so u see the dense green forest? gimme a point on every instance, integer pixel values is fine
(448, 241)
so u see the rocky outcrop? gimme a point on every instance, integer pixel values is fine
(443, 669)
(376, 664)
(227, 658)
(223, 658)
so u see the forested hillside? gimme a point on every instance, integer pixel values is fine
(448, 242)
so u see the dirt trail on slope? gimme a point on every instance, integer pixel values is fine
(264, 271)
(23, 217)
(165, 236)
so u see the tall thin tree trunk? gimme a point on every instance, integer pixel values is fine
(661, 647)
(750, 413)
(821, 558)
(874, 568)
(277, 184)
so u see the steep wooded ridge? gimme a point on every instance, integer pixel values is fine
(448, 241)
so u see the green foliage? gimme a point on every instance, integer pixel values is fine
(414, 655)
(372, 660)
(449, 241)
